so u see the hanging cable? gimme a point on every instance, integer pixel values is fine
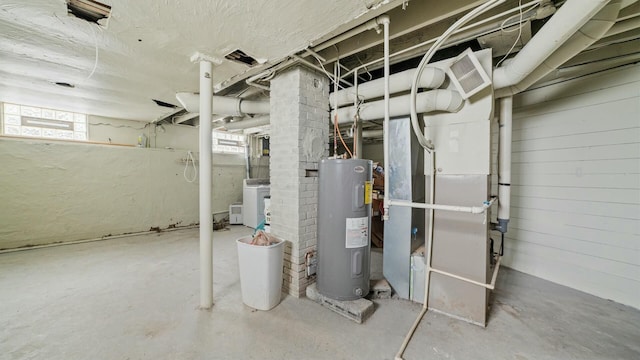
(186, 166)
(424, 142)
(520, 25)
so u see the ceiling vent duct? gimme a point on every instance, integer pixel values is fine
(89, 10)
(467, 74)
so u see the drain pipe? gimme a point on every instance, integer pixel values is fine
(504, 163)
(206, 218)
(385, 126)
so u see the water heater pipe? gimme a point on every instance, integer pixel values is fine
(504, 163)
(206, 218)
(432, 78)
(577, 25)
(428, 101)
(385, 125)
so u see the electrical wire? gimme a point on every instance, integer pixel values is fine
(426, 144)
(186, 166)
(95, 63)
(520, 26)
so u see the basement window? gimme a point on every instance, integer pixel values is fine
(226, 143)
(43, 123)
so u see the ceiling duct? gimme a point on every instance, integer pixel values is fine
(467, 74)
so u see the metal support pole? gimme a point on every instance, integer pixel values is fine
(206, 217)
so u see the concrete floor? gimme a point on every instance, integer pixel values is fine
(137, 297)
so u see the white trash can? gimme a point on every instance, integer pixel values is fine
(260, 273)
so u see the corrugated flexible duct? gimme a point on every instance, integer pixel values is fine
(577, 25)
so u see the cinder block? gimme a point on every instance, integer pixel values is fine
(356, 310)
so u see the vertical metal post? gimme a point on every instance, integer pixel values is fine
(206, 216)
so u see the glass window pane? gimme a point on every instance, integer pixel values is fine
(31, 131)
(48, 114)
(12, 119)
(64, 134)
(31, 111)
(48, 133)
(12, 109)
(12, 130)
(80, 127)
(63, 115)
(80, 136)
(82, 118)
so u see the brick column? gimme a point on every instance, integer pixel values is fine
(299, 139)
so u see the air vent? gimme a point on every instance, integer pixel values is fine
(467, 74)
(241, 57)
(89, 10)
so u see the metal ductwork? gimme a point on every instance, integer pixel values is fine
(223, 105)
(432, 78)
(576, 25)
(247, 123)
(428, 101)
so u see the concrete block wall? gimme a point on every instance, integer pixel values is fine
(299, 139)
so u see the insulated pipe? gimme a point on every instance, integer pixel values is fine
(557, 36)
(385, 126)
(583, 38)
(206, 218)
(224, 105)
(428, 101)
(504, 163)
(248, 123)
(432, 78)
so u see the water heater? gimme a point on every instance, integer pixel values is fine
(344, 222)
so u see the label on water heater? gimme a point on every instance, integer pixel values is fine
(357, 233)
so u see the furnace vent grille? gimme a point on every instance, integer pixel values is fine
(467, 74)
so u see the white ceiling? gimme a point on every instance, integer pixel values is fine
(144, 49)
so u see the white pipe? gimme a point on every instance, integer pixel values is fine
(431, 78)
(504, 162)
(206, 218)
(369, 25)
(489, 286)
(428, 101)
(466, 209)
(372, 133)
(556, 42)
(248, 123)
(385, 126)
(224, 105)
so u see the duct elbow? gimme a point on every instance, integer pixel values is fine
(447, 100)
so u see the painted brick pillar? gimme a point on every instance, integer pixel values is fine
(299, 139)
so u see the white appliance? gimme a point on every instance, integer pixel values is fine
(253, 193)
(235, 214)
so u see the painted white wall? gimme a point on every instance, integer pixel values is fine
(54, 191)
(576, 184)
